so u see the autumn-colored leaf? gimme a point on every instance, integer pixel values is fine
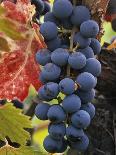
(4, 45)
(18, 68)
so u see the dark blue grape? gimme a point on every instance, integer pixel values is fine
(73, 133)
(17, 103)
(50, 144)
(95, 45)
(57, 131)
(43, 56)
(49, 30)
(47, 7)
(51, 89)
(49, 16)
(38, 4)
(62, 9)
(79, 15)
(90, 108)
(62, 147)
(56, 114)
(71, 103)
(81, 41)
(93, 66)
(3, 101)
(66, 24)
(86, 96)
(60, 56)
(89, 29)
(54, 44)
(42, 79)
(77, 60)
(41, 111)
(86, 81)
(81, 119)
(51, 72)
(67, 86)
(82, 144)
(88, 52)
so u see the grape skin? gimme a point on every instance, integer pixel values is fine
(56, 114)
(51, 71)
(81, 41)
(54, 44)
(90, 108)
(89, 29)
(49, 30)
(41, 111)
(43, 56)
(62, 9)
(77, 60)
(81, 119)
(86, 96)
(60, 56)
(88, 52)
(95, 45)
(86, 81)
(71, 103)
(79, 15)
(67, 86)
(57, 131)
(93, 66)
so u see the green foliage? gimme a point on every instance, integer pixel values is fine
(12, 124)
(25, 150)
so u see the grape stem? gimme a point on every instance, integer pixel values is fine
(71, 43)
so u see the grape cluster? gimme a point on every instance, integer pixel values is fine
(42, 7)
(70, 68)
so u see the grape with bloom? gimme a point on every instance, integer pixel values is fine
(70, 68)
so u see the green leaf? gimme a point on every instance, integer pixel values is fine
(10, 29)
(12, 124)
(24, 150)
(4, 45)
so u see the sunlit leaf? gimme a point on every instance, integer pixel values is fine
(2, 10)
(12, 124)
(24, 150)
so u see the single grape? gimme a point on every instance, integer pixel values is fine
(77, 60)
(73, 133)
(79, 15)
(81, 119)
(60, 56)
(49, 30)
(88, 52)
(67, 86)
(89, 29)
(95, 45)
(49, 16)
(41, 111)
(47, 7)
(62, 9)
(43, 56)
(82, 144)
(51, 71)
(62, 147)
(38, 4)
(42, 79)
(81, 41)
(93, 66)
(56, 114)
(90, 108)
(52, 89)
(86, 96)
(71, 103)
(54, 44)
(50, 144)
(57, 131)
(17, 103)
(86, 81)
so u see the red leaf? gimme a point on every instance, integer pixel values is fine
(18, 68)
